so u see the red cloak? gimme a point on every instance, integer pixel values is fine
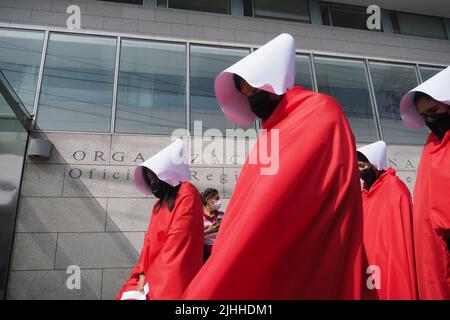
(388, 237)
(432, 219)
(296, 234)
(173, 247)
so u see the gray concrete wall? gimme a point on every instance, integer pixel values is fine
(97, 220)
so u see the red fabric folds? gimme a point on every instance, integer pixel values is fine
(173, 247)
(388, 237)
(296, 234)
(432, 219)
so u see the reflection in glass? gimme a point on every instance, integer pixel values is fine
(282, 9)
(77, 85)
(13, 144)
(345, 16)
(151, 92)
(20, 58)
(303, 72)
(205, 64)
(422, 26)
(391, 82)
(217, 6)
(428, 72)
(346, 81)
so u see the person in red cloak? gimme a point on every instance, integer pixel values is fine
(429, 104)
(388, 229)
(294, 230)
(173, 246)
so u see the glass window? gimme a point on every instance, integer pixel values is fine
(151, 94)
(77, 85)
(422, 26)
(303, 72)
(161, 3)
(20, 58)
(127, 1)
(13, 146)
(248, 8)
(216, 6)
(346, 81)
(10, 101)
(345, 16)
(325, 13)
(391, 82)
(5, 110)
(206, 63)
(282, 9)
(394, 20)
(428, 72)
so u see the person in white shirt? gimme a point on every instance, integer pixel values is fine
(211, 219)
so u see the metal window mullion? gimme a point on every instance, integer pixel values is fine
(418, 74)
(398, 23)
(446, 30)
(329, 14)
(313, 72)
(41, 72)
(188, 88)
(257, 123)
(373, 100)
(116, 82)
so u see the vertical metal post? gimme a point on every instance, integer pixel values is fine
(116, 82)
(373, 100)
(41, 71)
(418, 74)
(313, 72)
(187, 89)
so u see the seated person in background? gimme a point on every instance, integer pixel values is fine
(211, 218)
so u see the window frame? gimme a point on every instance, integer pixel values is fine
(402, 32)
(116, 79)
(60, 31)
(308, 11)
(311, 53)
(368, 79)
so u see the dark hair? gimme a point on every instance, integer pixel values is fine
(420, 95)
(362, 157)
(237, 82)
(208, 194)
(169, 197)
(170, 194)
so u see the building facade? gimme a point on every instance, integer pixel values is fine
(111, 93)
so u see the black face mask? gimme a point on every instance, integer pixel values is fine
(159, 189)
(439, 124)
(262, 105)
(368, 176)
